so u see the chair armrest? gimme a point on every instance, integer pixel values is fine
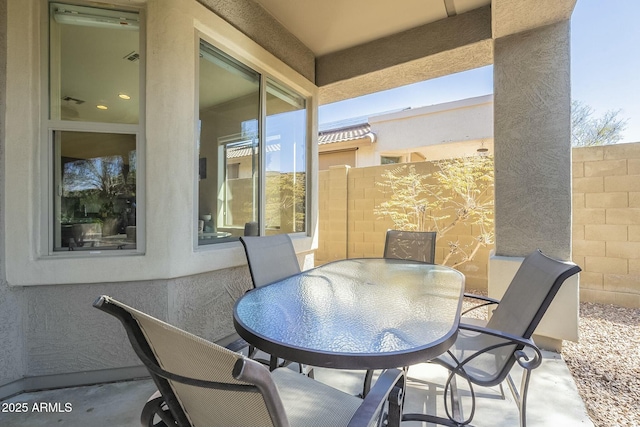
(521, 357)
(253, 372)
(389, 387)
(482, 298)
(487, 301)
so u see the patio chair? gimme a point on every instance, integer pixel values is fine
(270, 258)
(485, 352)
(202, 384)
(411, 245)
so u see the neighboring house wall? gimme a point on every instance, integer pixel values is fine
(430, 130)
(450, 129)
(606, 222)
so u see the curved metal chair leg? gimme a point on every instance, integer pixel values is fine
(455, 413)
(156, 406)
(396, 403)
(502, 392)
(368, 377)
(521, 396)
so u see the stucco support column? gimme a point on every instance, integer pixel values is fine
(532, 110)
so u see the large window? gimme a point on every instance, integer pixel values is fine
(286, 160)
(252, 152)
(94, 127)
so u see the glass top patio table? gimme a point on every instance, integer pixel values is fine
(355, 314)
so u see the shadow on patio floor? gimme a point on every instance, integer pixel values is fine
(553, 400)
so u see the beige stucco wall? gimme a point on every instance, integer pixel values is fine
(349, 228)
(425, 133)
(606, 223)
(51, 335)
(167, 240)
(435, 125)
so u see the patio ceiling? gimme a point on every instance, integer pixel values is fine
(362, 47)
(332, 25)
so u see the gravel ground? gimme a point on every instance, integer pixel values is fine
(606, 363)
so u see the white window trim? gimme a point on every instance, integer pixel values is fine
(265, 75)
(49, 126)
(49, 184)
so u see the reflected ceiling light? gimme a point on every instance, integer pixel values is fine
(94, 17)
(102, 107)
(124, 96)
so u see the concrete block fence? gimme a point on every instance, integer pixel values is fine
(606, 222)
(349, 228)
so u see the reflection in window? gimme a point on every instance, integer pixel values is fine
(229, 107)
(94, 64)
(94, 93)
(231, 145)
(96, 178)
(286, 162)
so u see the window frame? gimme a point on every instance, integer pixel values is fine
(49, 126)
(264, 77)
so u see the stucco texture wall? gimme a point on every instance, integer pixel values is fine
(11, 362)
(532, 141)
(606, 223)
(349, 228)
(55, 344)
(250, 18)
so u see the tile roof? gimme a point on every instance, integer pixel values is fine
(247, 151)
(348, 133)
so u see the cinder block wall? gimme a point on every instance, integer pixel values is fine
(348, 227)
(332, 215)
(606, 223)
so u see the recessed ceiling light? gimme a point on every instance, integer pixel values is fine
(102, 107)
(124, 96)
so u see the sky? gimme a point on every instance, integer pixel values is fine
(605, 71)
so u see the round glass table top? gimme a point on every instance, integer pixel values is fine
(357, 313)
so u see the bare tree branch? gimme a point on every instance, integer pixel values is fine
(587, 130)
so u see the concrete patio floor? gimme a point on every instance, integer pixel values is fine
(553, 399)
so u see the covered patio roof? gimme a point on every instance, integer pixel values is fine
(349, 48)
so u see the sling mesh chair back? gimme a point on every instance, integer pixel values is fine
(270, 258)
(202, 384)
(411, 245)
(484, 354)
